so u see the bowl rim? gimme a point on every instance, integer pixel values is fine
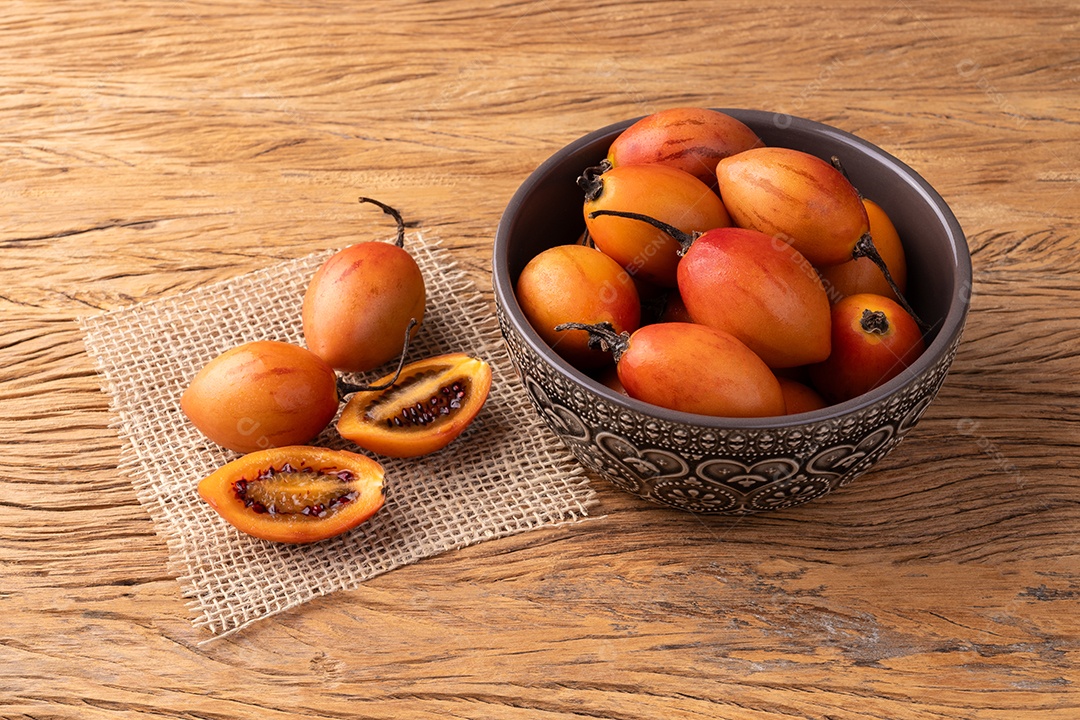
(948, 332)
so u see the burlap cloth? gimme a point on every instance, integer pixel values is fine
(505, 475)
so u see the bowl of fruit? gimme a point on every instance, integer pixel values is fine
(729, 311)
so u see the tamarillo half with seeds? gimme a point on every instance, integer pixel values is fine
(295, 494)
(430, 405)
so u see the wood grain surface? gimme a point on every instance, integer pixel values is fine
(151, 147)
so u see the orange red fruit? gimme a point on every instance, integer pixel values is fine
(693, 368)
(261, 395)
(668, 194)
(765, 261)
(761, 291)
(575, 283)
(873, 340)
(861, 274)
(430, 405)
(296, 494)
(691, 139)
(361, 301)
(795, 197)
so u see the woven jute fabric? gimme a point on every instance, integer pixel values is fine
(505, 475)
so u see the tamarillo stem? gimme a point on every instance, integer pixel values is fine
(590, 181)
(874, 321)
(835, 162)
(392, 213)
(684, 239)
(865, 248)
(602, 336)
(586, 239)
(346, 388)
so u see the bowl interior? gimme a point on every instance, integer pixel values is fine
(547, 211)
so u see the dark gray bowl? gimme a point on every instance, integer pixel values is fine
(734, 466)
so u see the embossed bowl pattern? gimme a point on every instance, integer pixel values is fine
(724, 465)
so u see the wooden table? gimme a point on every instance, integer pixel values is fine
(152, 147)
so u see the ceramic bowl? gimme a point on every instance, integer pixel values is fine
(722, 465)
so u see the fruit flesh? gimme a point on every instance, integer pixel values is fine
(295, 494)
(433, 402)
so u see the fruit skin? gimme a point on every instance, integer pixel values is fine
(574, 283)
(609, 377)
(691, 139)
(260, 395)
(862, 275)
(675, 309)
(368, 418)
(219, 491)
(665, 193)
(873, 340)
(796, 197)
(799, 397)
(694, 368)
(760, 290)
(360, 302)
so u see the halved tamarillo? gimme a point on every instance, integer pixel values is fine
(805, 201)
(693, 139)
(433, 401)
(691, 368)
(360, 301)
(295, 494)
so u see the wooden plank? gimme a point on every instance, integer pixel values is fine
(152, 147)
